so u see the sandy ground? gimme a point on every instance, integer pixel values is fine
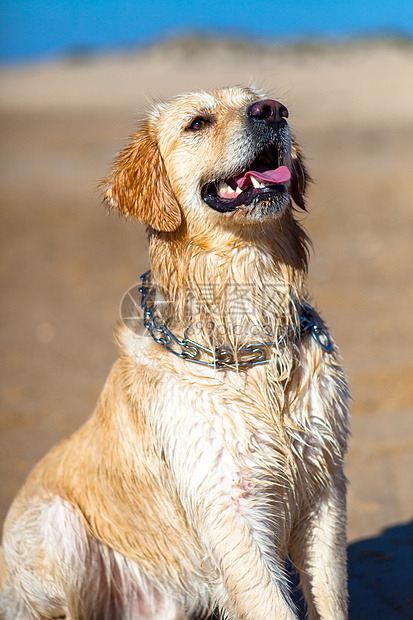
(66, 263)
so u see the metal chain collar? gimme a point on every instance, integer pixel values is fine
(223, 357)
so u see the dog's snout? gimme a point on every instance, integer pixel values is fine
(268, 111)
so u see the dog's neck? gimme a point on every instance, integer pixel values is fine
(246, 286)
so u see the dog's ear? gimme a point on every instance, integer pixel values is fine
(139, 185)
(300, 177)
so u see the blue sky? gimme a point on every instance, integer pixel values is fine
(38, 29)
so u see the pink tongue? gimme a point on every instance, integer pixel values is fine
(279, 175)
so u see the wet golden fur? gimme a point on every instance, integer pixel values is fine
(188, 486)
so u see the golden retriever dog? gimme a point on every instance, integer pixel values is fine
(216, 448)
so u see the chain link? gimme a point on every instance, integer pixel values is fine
(223, 357)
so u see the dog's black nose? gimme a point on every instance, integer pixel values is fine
(269, 111)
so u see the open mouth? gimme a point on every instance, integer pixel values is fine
(263, 176)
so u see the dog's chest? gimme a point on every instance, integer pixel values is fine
(224, 439)
(212, 426)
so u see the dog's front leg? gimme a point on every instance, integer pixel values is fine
(319, 552)
(228, 506)
(251, 584)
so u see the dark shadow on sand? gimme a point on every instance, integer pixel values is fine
(381, 575)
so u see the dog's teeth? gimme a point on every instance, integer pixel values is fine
(224, 188)
(238, 190)
(262, 184)
(255, 182)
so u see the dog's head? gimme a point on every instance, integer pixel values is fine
(227, 152)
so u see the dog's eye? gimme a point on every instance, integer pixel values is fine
(198, 123)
